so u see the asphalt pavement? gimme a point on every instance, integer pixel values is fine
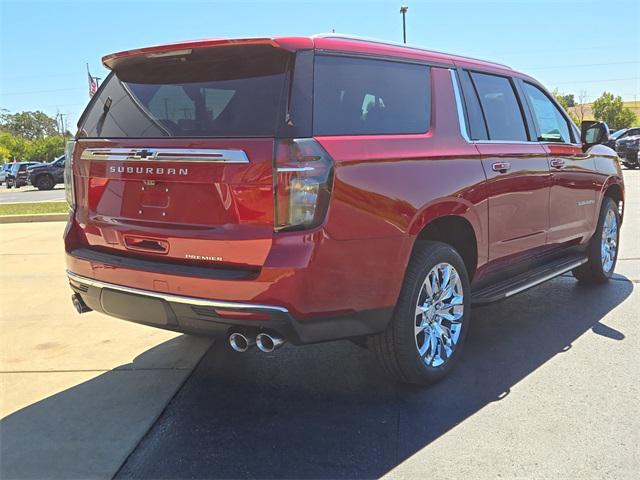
(30, 194)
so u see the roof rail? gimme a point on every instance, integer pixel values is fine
(402, 45)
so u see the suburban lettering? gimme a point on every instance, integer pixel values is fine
(148, 170)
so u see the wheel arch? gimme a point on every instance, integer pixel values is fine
(614, 190)
(454, 230)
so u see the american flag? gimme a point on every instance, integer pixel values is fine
(93, 83)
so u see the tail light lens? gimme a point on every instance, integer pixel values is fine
(303, 179)
(68, 173)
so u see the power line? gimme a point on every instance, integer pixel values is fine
(573, 49)
(579, 65)
(42, 91)
(54, 75)
(65, 105)
(596, 81)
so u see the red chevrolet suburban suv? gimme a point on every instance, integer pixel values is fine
(311, 189)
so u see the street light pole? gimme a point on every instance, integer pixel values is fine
(403, 11)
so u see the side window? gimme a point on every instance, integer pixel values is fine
(500, 107)
(477, 126)
(355, 96)
(551, 124)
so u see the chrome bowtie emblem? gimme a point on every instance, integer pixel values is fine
(142, 154)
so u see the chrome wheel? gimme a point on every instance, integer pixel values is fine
(609, 245)
(438, 317)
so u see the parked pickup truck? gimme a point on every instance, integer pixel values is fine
(45, 176)
(305, 190)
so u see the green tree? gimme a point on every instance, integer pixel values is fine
(18, 147)
(566, 101)
(5, 154)
(46, 149)
(610, 109)
(13, 147)
(29, 125)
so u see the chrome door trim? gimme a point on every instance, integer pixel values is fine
(166, 155)
(203, 302)
(459, 107)
(509, 142)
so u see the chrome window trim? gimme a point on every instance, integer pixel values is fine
(294, 169)
(514, 142)
(459, 107)
(203, 302)
(165, 155)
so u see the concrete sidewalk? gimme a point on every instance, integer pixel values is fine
(77, 392)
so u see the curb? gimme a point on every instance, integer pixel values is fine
(43, 217)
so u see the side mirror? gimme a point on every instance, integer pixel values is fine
(593, 133)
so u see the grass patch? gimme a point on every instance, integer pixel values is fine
(33, 208)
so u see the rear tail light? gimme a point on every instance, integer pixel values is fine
(303, 178)
(68, 173)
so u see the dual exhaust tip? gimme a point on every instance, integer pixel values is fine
(265, 342)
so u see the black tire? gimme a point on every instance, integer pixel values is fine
(593, 271)
(396, 348)
(630, 166)
(44, 182)
(9, 184)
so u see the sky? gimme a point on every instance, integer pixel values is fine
(575, 46)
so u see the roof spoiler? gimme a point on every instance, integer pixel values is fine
(184, 48)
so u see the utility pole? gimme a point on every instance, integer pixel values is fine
(62, 126)
(403, 11)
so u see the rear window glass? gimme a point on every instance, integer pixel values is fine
(353, 96)
(217, 92)
(500, 107)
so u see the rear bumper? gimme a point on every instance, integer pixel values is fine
(310, 288)
(215, 317)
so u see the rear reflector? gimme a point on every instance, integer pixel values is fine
(68, 173)
(234, 314)
(303, 179)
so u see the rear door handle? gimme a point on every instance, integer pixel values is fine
(557, 163)
(502, 167)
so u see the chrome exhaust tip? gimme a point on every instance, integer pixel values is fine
(79, 304)
(267, 343)
(240, 342)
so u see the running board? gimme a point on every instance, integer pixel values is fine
(520, 283)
